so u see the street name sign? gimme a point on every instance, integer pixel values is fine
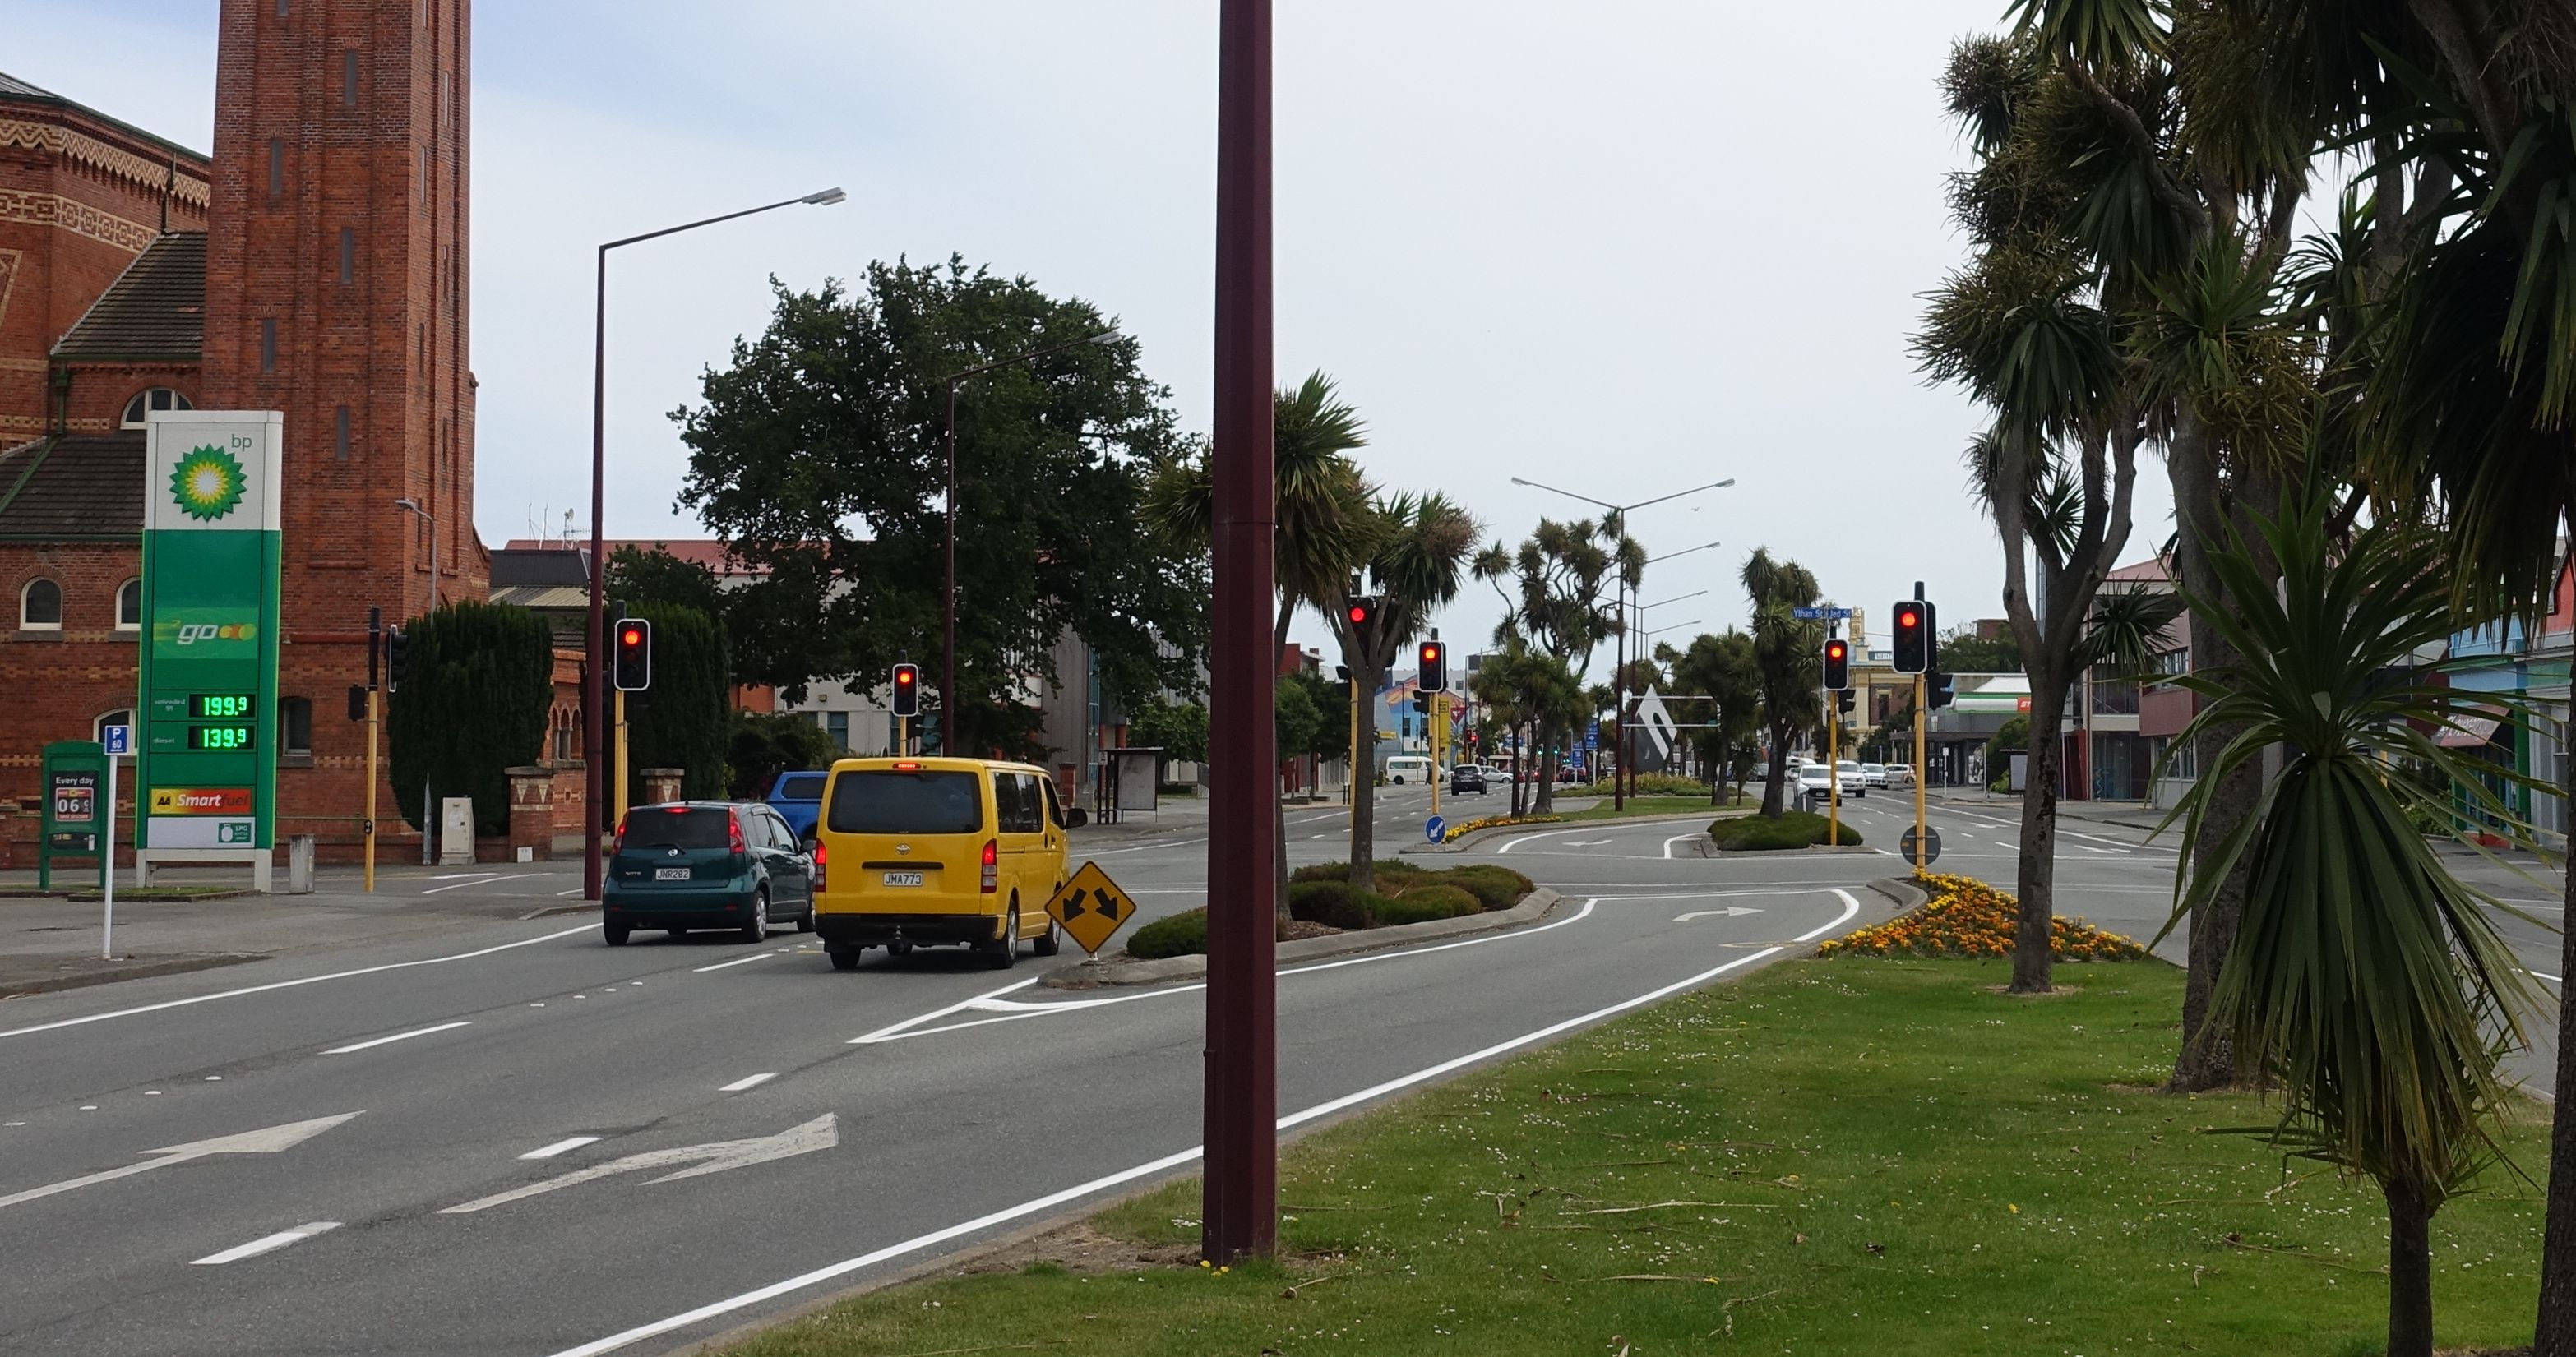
(1090, 907)
(1820, 614)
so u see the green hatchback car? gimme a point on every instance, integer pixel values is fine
(706, 864)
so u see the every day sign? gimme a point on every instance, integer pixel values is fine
(206, 762)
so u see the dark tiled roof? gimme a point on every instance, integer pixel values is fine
(73, 486)
(514, 568)
(156, 309)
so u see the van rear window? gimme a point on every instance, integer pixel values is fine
(905, 803)
(806, 788)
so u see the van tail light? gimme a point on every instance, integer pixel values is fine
(818, 865)
(733, 822)
(992, 866)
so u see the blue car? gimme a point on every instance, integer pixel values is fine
(798, 798)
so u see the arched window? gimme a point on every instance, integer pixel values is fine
(40, 606)
(158, 398)
(129, 606)
(98, 728)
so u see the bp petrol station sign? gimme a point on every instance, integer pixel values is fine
(206, 751)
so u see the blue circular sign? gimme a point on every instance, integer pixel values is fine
(1431, 828)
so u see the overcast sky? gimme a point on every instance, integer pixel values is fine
(1625, 247)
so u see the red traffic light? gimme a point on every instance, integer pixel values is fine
(1836, 650)
(903, 678)
(1908, 618)
(1359, 612)
(631, 637)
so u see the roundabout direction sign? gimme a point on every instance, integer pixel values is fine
(1931, 846)
(1431, 828)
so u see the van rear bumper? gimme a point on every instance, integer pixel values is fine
(868, 930)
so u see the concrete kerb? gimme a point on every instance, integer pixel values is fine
(1089, 974)
(1468, 840)
(82, 972)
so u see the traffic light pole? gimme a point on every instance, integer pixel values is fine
(1921, 694)
(1833, 768)
(618, 773)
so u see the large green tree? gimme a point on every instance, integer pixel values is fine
(1788, 664)
(1559, 589)
(1723, 676)
(473, 704)
(818, 453)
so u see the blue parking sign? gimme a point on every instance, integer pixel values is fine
(116, 738)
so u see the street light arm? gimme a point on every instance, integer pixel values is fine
(1685, 551)
(999, 363)
(1537, 485)
(823, 199)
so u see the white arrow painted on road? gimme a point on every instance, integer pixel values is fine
(269, 1141)
(1586, 843)
(819, 1134)
(1730, 912)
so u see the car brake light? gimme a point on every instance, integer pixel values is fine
(733, 822)
(992, 865)
(818, 865)
(906, 766)
(617, 844)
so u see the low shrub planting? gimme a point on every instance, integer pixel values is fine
(1494, 885)
(1335, 904)
(1648, 784)
(1968, 918)
(1794, 829)
(1465, 827)
(1420, 904)
(1172, 935)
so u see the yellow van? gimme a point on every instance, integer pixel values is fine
(916, 852)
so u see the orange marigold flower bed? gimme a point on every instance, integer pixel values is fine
(1968, 918)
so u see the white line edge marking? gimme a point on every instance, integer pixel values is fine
(2548, 977)
(399, 1036)
(289, 984)
(737, 961)
(753, 1081)
(1144, 847)
(1169, 1161)
(1677, 838)
(563, 1146)
(266, 1244)
(1525, 838)
(489, 881)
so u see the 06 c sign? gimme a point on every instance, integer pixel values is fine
(201, 801)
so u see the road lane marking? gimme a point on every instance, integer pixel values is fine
(289, 984)
(1851, 906)
(1730, 912)
(2548, 977)
(715, 1157)
(462, 876)
(398, 1036)
(1525, 838)
(737, 961)
(266, 1140)
(488, 881)
(1168, 1162)
(749, 1081)
(563, 1146)
(1143, 847)
(1681, 838)
(266, 1244)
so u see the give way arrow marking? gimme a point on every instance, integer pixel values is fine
(1730, 912)
(268, 1141)
(715, 1157)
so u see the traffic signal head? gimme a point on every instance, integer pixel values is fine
(1942, 689)
(1433, 659)
(1359, 610)
(1913, 636)
(633, 646)
(907, 690)
(1837, 663)
(1848, 699)
(397, 658)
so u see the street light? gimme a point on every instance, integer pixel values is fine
(595, 680)
(412, 506)
(948, 625)
(1618, 676)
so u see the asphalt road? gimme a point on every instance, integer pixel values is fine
(517, 1140)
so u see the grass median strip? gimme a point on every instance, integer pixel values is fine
(1820, 1157)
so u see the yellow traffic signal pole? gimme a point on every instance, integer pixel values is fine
(1438, 741)
(1919, 693)
(1833, 768)
(902, 736)
(374, 712)
(617, 771)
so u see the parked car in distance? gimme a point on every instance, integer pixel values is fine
(1465, 778)
(1813, 788)
(1853, 783)
(1900, 775)
(1873, 775)
(705, 864)
(1412, 768)
(798, 798)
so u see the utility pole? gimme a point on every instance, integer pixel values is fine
(1241, 1110)
(1921, 695)
(375, 714)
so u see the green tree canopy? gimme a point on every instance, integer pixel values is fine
(765, 744)
(474, 704)
(819, 453)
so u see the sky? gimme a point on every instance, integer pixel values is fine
(1624, 248)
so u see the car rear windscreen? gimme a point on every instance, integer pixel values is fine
(679, 827)
(892, 802)
(806, 788)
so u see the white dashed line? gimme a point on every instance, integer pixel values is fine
(398, 1036)
(564, 1146)
(267, 1244)
(751, 1081)
(756, 956)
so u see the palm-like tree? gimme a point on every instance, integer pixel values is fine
(1554, 588)
(1786, 656)
(2367, 981)
(1420, 549)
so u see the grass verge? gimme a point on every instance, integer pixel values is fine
(1794, 829)
(1696, 804)
(1874, 1155)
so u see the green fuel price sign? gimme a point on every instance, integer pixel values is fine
(206, 757)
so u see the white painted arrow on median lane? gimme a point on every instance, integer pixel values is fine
(1730, 912)
(821, 1133)
(268, 1141)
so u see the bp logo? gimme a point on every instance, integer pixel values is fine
(207, 483)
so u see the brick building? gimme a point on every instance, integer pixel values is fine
(315, 264)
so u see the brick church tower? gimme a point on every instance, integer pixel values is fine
(336, 285)
(336, 292)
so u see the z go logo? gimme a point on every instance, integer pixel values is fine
(189, 633)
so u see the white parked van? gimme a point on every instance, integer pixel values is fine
(1408, 768)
